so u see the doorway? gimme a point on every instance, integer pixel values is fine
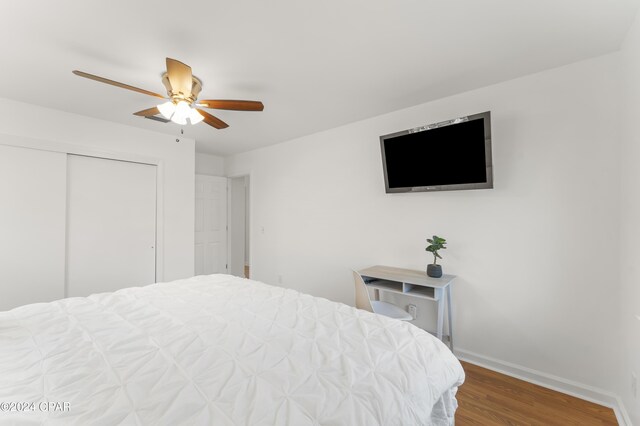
(239, 229)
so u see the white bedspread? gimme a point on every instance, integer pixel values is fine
(219, 350)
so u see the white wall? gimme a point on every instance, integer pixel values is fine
(630, 225)
(535, 286)
(47, 128)
(207, 164)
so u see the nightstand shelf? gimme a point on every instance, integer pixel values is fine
(414, 284)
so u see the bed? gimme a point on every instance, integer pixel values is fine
(219, 350)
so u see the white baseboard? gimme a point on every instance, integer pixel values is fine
(621, 413)
(579, 390)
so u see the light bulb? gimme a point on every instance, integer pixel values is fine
(181, 114)
(167, 109)
(195, 116)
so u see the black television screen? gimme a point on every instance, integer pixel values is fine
(450, 155)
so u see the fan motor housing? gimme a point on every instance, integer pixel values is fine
(196, 87)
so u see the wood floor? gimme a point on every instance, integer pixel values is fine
(489, 398)
(246, 271)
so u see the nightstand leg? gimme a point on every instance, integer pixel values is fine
(439, 325)
(450, 317)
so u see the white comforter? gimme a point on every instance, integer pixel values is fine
(219, 350)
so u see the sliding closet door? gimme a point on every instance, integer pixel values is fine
(32, 215)
(111, 225)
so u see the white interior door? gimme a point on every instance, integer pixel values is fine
(32, 217)
(211, 225)
(111, 225)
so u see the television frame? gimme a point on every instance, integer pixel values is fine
(486, 116)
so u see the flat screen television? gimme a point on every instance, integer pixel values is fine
(450, 155)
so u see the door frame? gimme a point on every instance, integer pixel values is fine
(250, 228)
(87, 151)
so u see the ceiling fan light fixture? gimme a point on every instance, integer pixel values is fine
(179, 105)
(181, 114)
(195, 116)
(167, 109)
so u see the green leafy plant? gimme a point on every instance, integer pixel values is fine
(434, 246)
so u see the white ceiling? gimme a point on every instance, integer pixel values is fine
(314, 64)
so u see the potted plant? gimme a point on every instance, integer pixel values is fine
(433, 269)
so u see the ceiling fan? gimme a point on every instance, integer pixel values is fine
(183, 89)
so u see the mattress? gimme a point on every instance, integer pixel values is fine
(219, 350)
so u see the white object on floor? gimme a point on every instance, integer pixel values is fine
(390, 310)
(381, 308)
(221, 350)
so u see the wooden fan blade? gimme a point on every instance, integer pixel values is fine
(232, 105)
(148, 112)
(180, 77)
(211, 120)
(115, 83)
